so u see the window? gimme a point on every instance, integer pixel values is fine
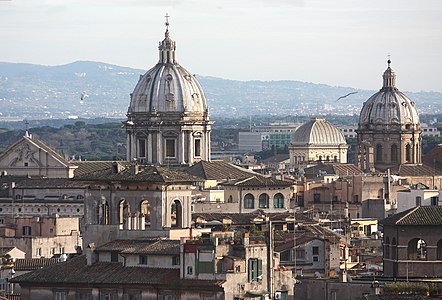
(378, 153)
(26, 164)
(114, 256)
(189, 270)
(249, 201)
(394, 153)
(61, 250)
(434, 200)
(300, 254)
(38, 252)
(142, 148)
(27, 230)
(17, 197)
(170, 148)
(176, 260)
(263, 201)
(407, 153)
(278, 201)
(255, 270)
(316, 198)
(315, 250)
(418, 200)
(60, 295)
(142, 260)
(197, 147)
(301, 201)
(52, 251)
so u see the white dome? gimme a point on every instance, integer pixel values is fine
(167, 87)
(318, 132)
(388, 106)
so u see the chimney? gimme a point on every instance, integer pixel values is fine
(245, 239)
(91, 256)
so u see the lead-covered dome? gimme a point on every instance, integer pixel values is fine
(389, 106)
(318, 132)
(167, 87)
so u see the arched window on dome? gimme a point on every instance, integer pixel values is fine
(378, 153)
(320, 158)
(393, 153)
(408, 153)
(328, 158)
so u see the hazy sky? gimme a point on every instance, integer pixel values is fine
(336, 42)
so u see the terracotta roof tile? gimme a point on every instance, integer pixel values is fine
(419, 216)
(154, 246)
(28, 264)
(218, 170)
(157, 174)
(76, 271)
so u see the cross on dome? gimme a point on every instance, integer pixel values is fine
(167, 21)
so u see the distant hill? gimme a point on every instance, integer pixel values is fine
(43, 92)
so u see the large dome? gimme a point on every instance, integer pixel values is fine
(167, 87)
(388, 106)
(318, 132)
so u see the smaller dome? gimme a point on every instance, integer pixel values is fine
(318, 132)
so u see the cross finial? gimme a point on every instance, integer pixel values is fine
(167, 21)
(389, 61)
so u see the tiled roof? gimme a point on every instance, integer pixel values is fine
(28, 264)
(276, 158)
(332, 169)
(248, 218)
(420, 215)
(153, 246)
(5, 250)
(418, 170)
(259, 180)
(76, 271)
(434, 157)
(37, 182)
(154, 174)
(87, 167)
(218, 170)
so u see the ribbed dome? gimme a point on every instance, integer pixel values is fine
(318, 132)
(167, 87)
(388, 106)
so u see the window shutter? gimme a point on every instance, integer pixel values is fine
(259, 270)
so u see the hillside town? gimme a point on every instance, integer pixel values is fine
(175, 221)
